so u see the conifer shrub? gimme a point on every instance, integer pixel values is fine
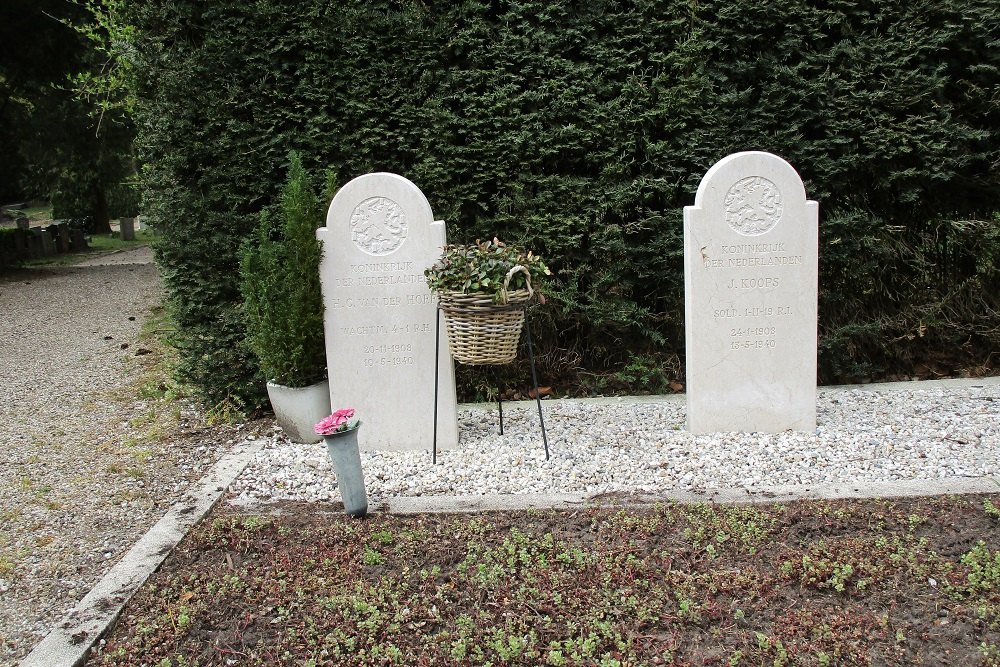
(581, 130)
(279, 281)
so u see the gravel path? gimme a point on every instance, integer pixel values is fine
(80, 480)
(910, 431)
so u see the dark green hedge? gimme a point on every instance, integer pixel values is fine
(581, 129)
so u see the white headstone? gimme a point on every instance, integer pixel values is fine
(379, 237)
(750, 281)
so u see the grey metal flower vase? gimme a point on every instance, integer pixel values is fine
(343, 450)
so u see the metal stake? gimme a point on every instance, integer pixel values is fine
(437, 371)
(496, 383)
(534, 380)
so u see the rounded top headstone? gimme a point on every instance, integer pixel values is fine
(752, 190)
(381, 210)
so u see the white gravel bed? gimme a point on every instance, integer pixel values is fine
(640, 445)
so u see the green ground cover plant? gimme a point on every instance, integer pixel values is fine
(843, 582)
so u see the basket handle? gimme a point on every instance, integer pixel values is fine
(510, 274)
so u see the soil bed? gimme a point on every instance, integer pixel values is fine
(843, 582)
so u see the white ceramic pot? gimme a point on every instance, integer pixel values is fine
(299, 409)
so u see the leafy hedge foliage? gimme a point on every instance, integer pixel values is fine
(124, 200)
(580, 130)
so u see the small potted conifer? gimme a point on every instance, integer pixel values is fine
(283, 306)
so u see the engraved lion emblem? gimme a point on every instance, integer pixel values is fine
(378, 226)
(753, 206)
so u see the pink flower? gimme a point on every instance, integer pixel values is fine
(335, 423)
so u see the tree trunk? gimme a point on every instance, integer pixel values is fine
(100, 217)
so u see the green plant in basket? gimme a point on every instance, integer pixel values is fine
(490, 267)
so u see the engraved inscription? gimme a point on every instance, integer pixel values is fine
(740, 262)
(377, 267)
(378, 226)
(387, 355)
(753, 206)
(382, 345)
(753, 344)
(752, 338)
(753, 311)
(372, 281)
(381, 302)
(754, 283)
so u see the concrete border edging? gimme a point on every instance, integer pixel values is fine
(69, 643)
(487, 503)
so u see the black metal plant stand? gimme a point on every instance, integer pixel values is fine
(534, 380)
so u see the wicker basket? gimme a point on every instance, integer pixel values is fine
(481, 332)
